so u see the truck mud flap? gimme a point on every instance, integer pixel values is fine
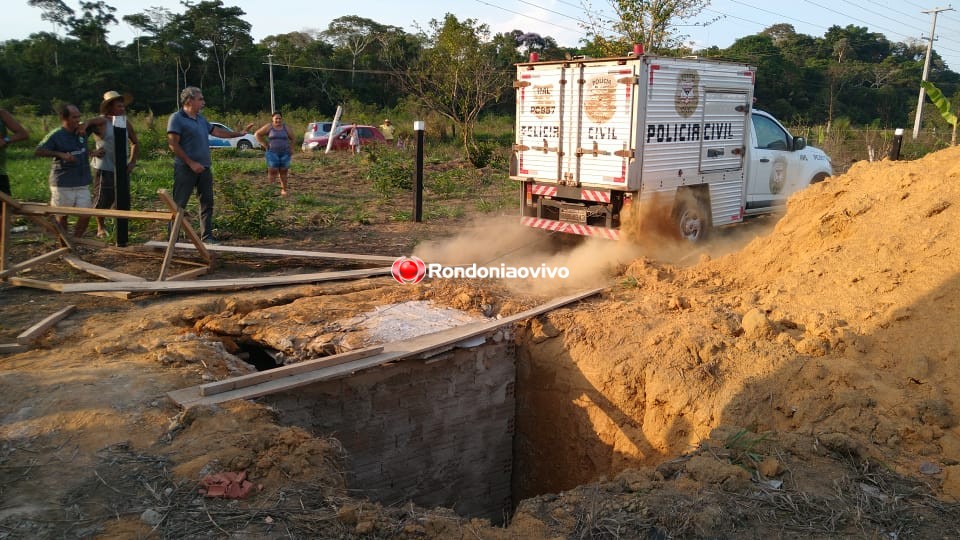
(571, 228)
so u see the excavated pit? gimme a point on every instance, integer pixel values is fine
(459, 428)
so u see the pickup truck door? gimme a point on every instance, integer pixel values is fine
(772, 165)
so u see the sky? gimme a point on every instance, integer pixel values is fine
(720, 24)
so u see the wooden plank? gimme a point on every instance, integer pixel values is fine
(33, 262)
(99, 271)
(35, 284)
(10, 201)
(189, 274)
(6, 223)
(280, 252)
(174, 233)
(65, 238)
(216, 284)
(187, 228)
(45, 224)
(251, 379)
(31, 333)
(38, 209)
(399, 350)
(7, 348)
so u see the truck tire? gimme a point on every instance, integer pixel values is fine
(692, 216)
(819, 177)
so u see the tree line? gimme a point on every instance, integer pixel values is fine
(454, 67)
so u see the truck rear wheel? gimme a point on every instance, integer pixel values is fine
(692, 216)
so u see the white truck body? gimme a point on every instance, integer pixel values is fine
(594, 136)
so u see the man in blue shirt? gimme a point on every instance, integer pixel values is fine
(187, 132)
(70, 168)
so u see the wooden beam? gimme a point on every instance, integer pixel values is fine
(10, 201)
(205, 284)
(6, 223)
(187, 228)
(189, 274)
(251, 379)
(35, 283)
(99, 271)
(30, 334)
(38, 209)
(415, 347)
(174, 233)
(7, 348)
(280, 252)
(33, 262)
(65, 238)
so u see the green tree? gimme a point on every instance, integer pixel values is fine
(90, 27)
(456, 73)
(652, 23)
(222, 34)
(355, 35)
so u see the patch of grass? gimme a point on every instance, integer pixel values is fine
(743, 446)
(307, 200)
(484, 205)
(328, 215)
(361, 216)
(401, 215)
(451, 183)
(442, 212)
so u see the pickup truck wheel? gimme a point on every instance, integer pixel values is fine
(819, 177)
(692, 217)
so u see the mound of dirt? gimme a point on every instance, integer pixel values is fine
(839, 326)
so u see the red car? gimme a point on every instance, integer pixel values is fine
(341, 139)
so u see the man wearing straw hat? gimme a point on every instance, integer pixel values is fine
(114, 104)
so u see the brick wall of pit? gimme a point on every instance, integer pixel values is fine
(438, 432)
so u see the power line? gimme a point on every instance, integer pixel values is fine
(527, 16)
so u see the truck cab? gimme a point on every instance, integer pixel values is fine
(778, 164)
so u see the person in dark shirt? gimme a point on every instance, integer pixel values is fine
(70, 169)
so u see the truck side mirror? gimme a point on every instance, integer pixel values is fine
(799, 143)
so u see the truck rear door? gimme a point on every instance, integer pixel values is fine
(597, 120)
(574, 122)
(539, 103)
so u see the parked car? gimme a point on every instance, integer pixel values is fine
(315, 131)
(341, 139)
(244, 142)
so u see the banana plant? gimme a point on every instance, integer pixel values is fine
(943, 105)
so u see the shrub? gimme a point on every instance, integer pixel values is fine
(387, 169)
(250, 210)
(481, 153)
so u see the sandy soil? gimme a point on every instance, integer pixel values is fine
(796, 378)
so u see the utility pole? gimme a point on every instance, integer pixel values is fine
(926, 68)
(273, 107)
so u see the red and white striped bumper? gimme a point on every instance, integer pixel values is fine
(570, 228)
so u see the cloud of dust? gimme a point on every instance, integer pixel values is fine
(495, 241)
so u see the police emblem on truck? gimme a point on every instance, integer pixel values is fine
(688, 93)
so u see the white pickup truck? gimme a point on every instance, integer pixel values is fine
(596, 136)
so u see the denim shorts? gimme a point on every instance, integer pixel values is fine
(277, 161)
